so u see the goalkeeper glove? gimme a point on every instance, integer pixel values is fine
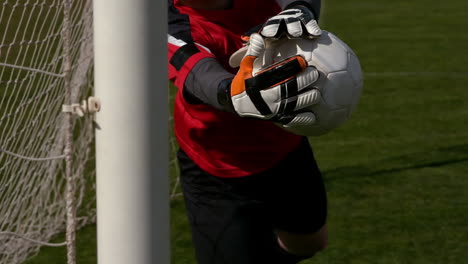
(276, 93)
(295, 22)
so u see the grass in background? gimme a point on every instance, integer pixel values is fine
(396, 173)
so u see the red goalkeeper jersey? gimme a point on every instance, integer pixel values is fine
(220, 143)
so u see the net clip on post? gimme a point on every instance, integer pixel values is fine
(90, 106)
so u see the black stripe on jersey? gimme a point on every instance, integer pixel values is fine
(183, 54)
(179, 24)
(179, 28)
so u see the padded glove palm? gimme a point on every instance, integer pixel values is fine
(276, 93)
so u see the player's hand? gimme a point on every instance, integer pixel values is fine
(276, 93)
(294, 22)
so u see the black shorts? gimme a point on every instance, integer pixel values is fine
(233, 219)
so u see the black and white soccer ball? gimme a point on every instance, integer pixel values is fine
(340, 77)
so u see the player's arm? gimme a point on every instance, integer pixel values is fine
(298, 19)
(194, 70)
(192, 67)
(277, 93)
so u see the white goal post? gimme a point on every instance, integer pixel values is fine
(47, 128)
(132, 142)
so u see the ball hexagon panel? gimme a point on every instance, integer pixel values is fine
(340, 80)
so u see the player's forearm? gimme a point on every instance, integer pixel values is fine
(314, 5)
(203, 82)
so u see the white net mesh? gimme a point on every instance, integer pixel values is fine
(38, 43)
(47, 170)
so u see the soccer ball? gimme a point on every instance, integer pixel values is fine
(340, 77)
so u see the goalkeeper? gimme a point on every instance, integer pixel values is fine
(253, 191)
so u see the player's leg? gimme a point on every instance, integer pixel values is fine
(303, 244)
(233, 220)
(228, 227)
(298, 203)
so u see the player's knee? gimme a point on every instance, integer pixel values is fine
(304, 244)
(320, 245)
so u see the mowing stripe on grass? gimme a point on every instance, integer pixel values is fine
(416, 73)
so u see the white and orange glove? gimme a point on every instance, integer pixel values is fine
(294, 22)
(277, 93)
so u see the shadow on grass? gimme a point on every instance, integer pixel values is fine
(437, 157)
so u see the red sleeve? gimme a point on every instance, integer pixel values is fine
(182, 58)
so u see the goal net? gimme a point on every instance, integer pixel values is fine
(46, 154)
(47, 151)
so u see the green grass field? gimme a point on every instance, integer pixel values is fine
(396, 173)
